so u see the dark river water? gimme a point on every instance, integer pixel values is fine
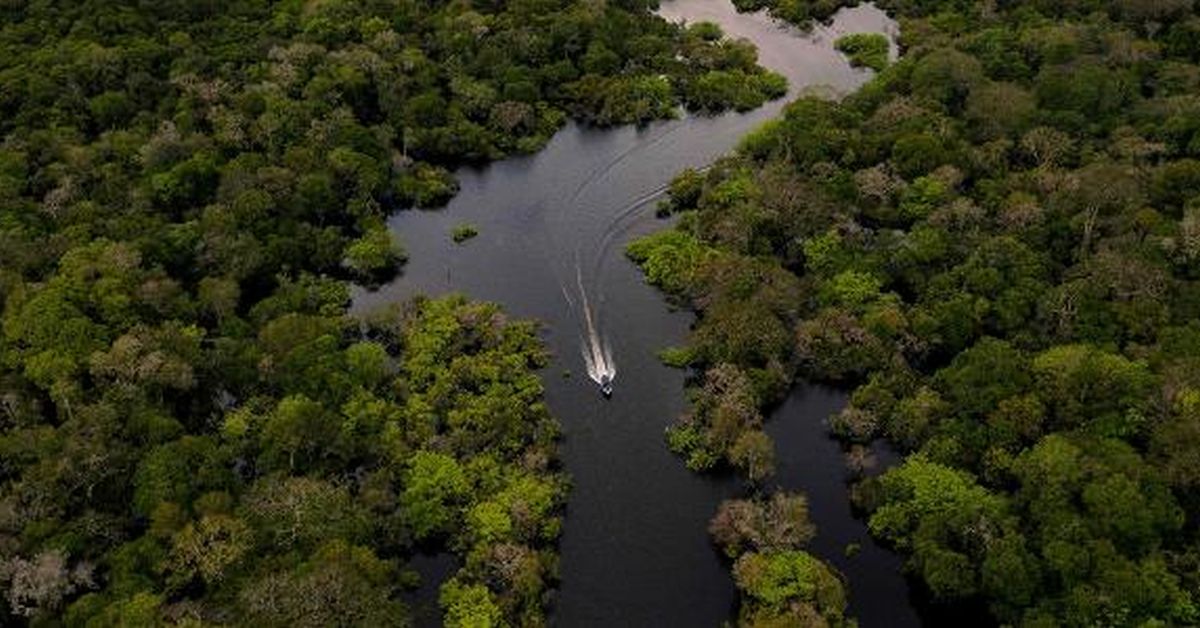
(552, 231)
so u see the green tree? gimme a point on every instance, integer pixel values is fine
(375, 254)
(469, 605)
(434, 488)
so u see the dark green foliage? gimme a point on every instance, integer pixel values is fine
(249, 510)
(799, 12)
(375, 255)
(868, 50)
(192, 430)
(993, 242)
(463, 232)
(718, 89)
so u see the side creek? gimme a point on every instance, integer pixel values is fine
(552, 230)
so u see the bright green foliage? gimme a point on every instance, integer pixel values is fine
(789, 586)
(865, 49)
(926, 193)
(670, 259)
(426, 186)
(1083, 385)
(469, 606)
(435, 487)
(853, 289)
(676, 357)
(719, 89)
(924, 488)
(376, 253)
(368, 362)
(257, 518)
(463, 232)
(489, 522)
(825, 253)
(689, 441)
(780, 584)
(799, 12)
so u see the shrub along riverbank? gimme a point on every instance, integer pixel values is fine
(994, 245)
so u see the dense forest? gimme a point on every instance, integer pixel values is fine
(193, 430)
(996, 245)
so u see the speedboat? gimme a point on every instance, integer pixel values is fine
(606, 384)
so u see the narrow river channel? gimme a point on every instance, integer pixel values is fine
(553, 227)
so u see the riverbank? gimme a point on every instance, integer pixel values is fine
(634, 550)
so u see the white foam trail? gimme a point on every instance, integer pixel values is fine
(597, 354)
(610, 364)
(566, 295)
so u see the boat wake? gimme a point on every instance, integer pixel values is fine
(593, 343)
(596, 351)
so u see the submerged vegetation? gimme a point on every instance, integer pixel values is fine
(993, 245)
(462, 233)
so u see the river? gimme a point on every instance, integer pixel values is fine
(552, 229)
